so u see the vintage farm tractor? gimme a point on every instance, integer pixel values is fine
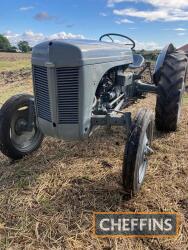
(80, 85)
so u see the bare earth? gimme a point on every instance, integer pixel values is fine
(14, 67)
(47, 199)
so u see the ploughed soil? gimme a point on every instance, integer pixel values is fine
(47, 199)
(10, 77)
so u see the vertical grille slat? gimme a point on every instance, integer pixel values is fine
(68, 95)
(41, 92)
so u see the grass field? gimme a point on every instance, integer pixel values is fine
(185, 99)
(14, 61)
(47, 199)
(12, 89)
(4, 66)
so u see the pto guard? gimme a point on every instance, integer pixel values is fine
(160, 61)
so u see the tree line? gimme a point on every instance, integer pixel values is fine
(5, 45)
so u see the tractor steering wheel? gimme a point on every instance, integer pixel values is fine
(109, 35)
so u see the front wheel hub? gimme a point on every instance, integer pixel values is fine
(20, 126)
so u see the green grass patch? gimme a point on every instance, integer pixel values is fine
(14, 65)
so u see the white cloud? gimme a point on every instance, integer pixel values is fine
(157, 3)
(64, 35)
(103, 14)
(111, 3)
(181, 34)
(167, 15)
(34, 38)
(180, 29)
(176, 29)
(162, 10)
(25, 8)
(147, 45)
(13, 38)
(123, 21)
(9, 34)
(31, 37)
(167, 3)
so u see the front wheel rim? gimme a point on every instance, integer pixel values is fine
(23, 141)
(144, 154)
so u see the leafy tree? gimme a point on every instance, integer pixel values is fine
(13, 49)
(4, 43)
(24, 46)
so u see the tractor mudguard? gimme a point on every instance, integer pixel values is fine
(160, 61)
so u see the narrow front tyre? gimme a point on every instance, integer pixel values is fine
(19, 134)
(137, 151)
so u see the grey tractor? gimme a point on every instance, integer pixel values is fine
(80, 85)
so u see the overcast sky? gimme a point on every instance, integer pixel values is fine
(152, 23)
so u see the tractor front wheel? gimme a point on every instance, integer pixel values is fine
(137, 151)
(19, 135)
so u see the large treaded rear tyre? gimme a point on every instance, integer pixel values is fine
(170, 91)
(16, 140)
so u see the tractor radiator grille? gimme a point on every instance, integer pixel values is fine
(41, 92)
(68, 95)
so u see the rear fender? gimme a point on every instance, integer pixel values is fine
(160, 61)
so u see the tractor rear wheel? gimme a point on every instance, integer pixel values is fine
(19, 135)
(137, 151)
(170, 92)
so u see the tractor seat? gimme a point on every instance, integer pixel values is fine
(138, 61)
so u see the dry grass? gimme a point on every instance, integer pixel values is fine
(14, 61)
(186, 99)
(47, 199)
(9, 56)
(8, 90)
(14, 65)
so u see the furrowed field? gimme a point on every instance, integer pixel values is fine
(47, 199)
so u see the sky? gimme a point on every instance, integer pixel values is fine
(151, 23)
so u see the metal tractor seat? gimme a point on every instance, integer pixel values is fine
(138, 61)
